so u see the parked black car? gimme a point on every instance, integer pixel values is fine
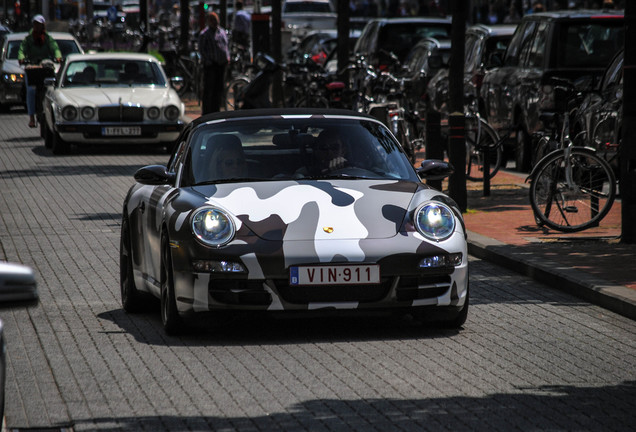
(562, 44)
(600, 115)
(484, 45)
(383, 38)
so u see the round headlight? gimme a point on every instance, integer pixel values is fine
(153, 113)
(171, 112)
(69, 113)
(88, 112)
(435, 221)
(212, 227)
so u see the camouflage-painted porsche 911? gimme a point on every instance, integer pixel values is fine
(292, 210)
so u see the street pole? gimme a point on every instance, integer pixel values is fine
(456, 119)
(628, 145)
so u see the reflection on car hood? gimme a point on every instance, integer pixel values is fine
(145, 96)
(318, 210)
(12, 66)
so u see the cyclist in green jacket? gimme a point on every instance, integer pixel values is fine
(37, 46)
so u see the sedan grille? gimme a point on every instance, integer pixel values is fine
(121, 113)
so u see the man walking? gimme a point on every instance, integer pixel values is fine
(215, 55)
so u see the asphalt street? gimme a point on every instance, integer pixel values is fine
(528, 358)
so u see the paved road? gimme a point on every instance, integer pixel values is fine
(528, 357)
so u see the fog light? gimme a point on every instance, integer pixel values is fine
(218, 267)
(442, 261)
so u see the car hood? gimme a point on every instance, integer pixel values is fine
(99, 96)
(12, 66)
(314, 210)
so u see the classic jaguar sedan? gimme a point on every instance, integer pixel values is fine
(292, 210)
(111, 98)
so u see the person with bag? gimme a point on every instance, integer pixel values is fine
(215, 55)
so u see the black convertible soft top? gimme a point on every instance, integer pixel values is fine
(275, 112)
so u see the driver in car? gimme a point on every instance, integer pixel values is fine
(328, 154)
(38, 45)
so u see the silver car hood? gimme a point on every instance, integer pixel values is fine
(101, 96)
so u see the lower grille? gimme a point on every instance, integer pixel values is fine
(418, 288)
(121, 113)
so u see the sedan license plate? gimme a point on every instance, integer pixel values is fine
(121, 130)
(334, 275)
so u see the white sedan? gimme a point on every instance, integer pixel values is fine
(111, 98)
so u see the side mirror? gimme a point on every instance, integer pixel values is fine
(17, 285)
(177, 83)
(154, 175)
(434, 169)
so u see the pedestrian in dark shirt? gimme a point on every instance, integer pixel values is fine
(215, 55)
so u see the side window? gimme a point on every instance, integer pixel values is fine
(521, 39)
(539, 47)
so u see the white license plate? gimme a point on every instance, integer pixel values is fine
(334, 275)
(121, 130)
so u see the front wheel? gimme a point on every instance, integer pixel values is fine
(130, 297)
(58, 145)
(482, 139)
(571, 194)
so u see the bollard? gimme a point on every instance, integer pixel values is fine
(434, 148)
(457, 158)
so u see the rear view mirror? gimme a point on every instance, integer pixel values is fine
(17, 285)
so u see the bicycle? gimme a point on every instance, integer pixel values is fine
(572, 188)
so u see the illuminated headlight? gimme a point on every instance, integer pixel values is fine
(87, 113)
(171, 112)
(69, 113)
(212, 227)
(454, 260)
(13, 78)
(218, 267)
(153, 113)
(435, 221)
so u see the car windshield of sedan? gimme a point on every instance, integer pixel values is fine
(112, 72)
(266, 149)
(66, 47)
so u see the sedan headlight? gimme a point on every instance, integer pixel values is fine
(435, 221)
(171, 112)
(212, 227)
(87, 113)
(153, 113)
(69, 113)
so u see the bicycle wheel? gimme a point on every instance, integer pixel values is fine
(232, 90)
(576, 205)
(478, 139)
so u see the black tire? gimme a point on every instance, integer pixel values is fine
(522, 150)
(172, 322)
(445, 317)
(475, 151)
(48, 137)
(460, 319)
(563, 209)
(131, 298)
(58, 145)
(233, 89)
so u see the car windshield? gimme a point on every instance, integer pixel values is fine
(400, 38)
(112, 72)
(266, 149)
(583, 45)
(66, 47)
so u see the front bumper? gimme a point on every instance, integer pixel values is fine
(150, 133)
(403, 285)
